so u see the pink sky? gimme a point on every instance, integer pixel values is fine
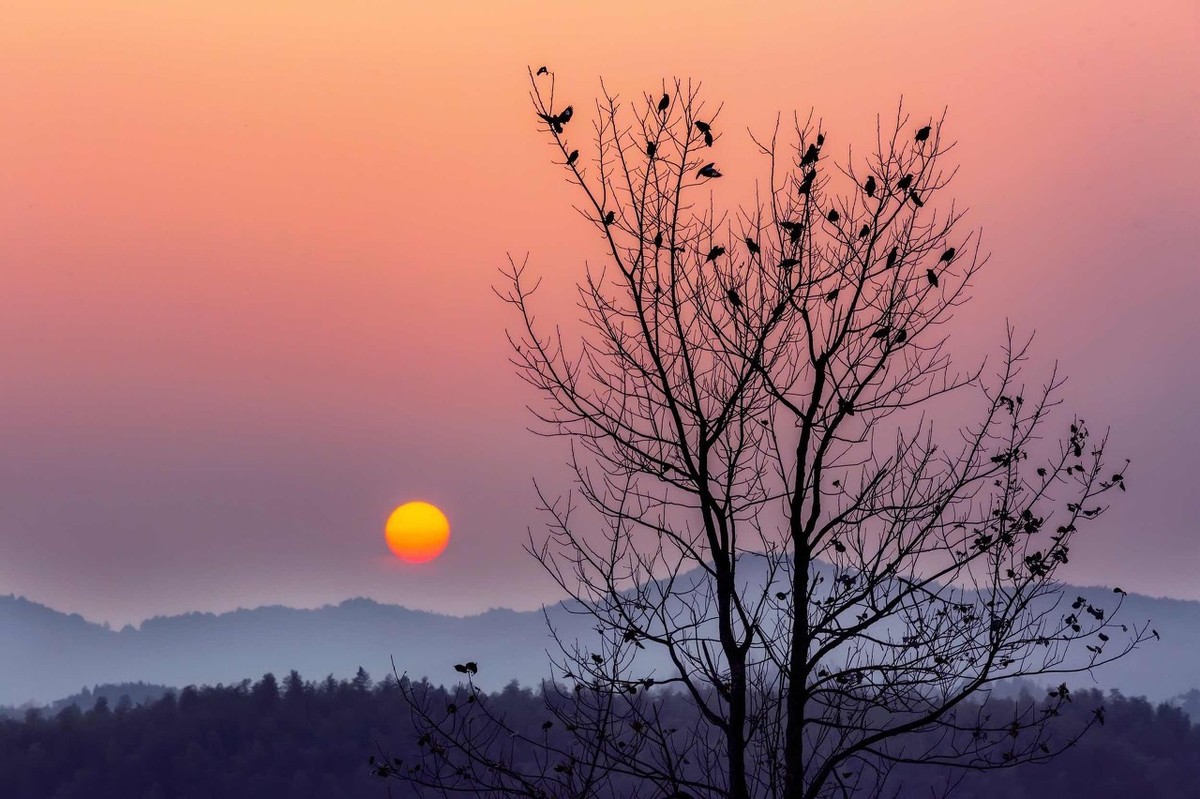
(247, 249)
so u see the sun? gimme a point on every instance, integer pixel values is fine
(417, 532)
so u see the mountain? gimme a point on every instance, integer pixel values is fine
(46, 655)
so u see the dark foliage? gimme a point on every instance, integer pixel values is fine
(291, 739)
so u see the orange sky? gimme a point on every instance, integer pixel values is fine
(246, 251)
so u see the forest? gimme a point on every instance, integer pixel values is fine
(300, 739)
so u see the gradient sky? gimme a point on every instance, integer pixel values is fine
(247, 249)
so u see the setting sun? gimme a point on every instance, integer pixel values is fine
(417, 532)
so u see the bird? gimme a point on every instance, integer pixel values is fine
(610, 217)
(547, 725)
(820, 139)
(794, 229)
(892, 257)
(904, 182)
(715, 253)
(573, 157)
(916, 198)
(832, 216)
(947, 256)
(664, 103)
(806, 184)
(864, 231)
(709, 170)
(832, 296)
(734, 299)
(901, 336)
(707, 131)
(651, 149)
(658, 239)
(542, 71)
(932, 277)
(869, 186)
(752, 246)
(556, 121)
(788, 263)
(810, 156)
(923, 133)
(882, 332)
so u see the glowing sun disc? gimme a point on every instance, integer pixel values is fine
(417, 532)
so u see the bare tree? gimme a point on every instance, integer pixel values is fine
(764, 517)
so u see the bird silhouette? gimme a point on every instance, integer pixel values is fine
(794, 229)
(664, 103)
(882, 332)
(864, 231)
(542, 71)
(610, 217)
(903, 183)
(832, 296)
(658, 239)
(947, 256)
(820, 139)
(707, 131)
(923, 133)
(788, 263)
(916, 198)
(869, 186)
(573, 157)
(833, 216)
(651, 149)
(932, 277)
(734, 299)
(901, 336)
(806, 184)
(892, 257)
(556, 121)
(715, 253)
(709, 170)
(752, 246)
(810, 156)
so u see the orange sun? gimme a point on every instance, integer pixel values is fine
(417, 532)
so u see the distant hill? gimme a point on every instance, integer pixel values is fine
(46, 655)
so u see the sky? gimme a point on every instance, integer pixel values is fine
(247, 252)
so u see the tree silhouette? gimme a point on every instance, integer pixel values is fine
(764, 517)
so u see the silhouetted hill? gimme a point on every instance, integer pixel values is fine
(46, 655)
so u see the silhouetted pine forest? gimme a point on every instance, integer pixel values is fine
(297, 739)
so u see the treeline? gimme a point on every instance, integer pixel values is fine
(296, 739)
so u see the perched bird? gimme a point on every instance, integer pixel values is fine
(658, 239)
(788, 263)
(794, 229)
(547, 725)
(806, 184)
(864, 231)
(610, 217)
(556, 121)
(893, 256)
(709, 170)
(542, 71)
(869, 186)
(932, 277)
(923, 133)
(832, 216)
(882, 332)
(901, 336)
(810, 156)
(715, 253)
(948, 255)
(752, 246)
(651, 149)
(904, 182)
(916, 198)
(734, 299)
(832, 296)
(664, 103)
(573, 157)
(707, 131)
(820, 139)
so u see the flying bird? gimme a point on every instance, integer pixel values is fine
(832, 216)
(752, 246)
(869, 186)
(573, 157)
(923, 133)
(948, 255)
(709, 170)
(932, 277)
(664, 103)
(904, 182)
(542, 71)
(707, 131)
(715, 253)
(734, 299)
